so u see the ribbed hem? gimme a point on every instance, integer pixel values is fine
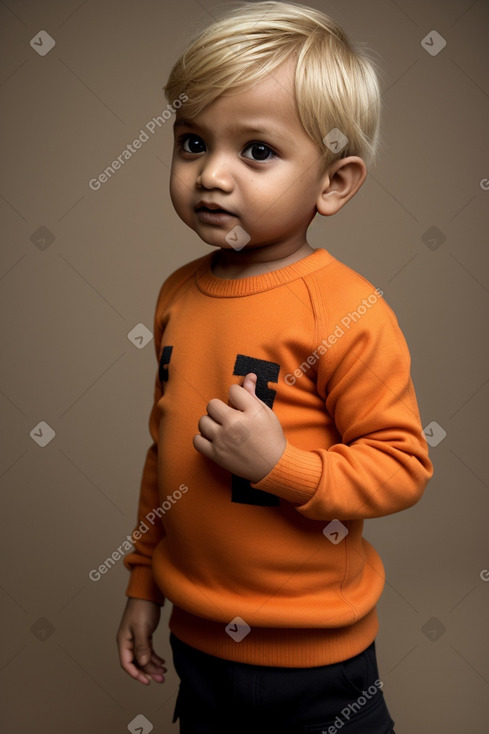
(143, 586)
(295, 477)
(284, 648)
(210, 284)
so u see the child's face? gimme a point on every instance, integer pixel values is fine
(247, 153)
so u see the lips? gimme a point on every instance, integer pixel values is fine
(215, 208)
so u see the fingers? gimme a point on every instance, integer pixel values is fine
(210, 423)
(240, 397)
(249, 383)
(207, 427)
(141, 663)
(126, 657)
(142, 652)
(156, 659)
(202, 445)
(155, 668)
(216, 410)
(134, 641)
(219, 414)
(146, 659)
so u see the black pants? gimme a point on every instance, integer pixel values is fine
(221, 697)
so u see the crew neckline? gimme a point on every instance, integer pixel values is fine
(212, 285)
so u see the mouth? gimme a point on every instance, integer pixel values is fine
(211, 213)
(213, 208)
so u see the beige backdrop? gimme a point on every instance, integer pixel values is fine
(81, 268)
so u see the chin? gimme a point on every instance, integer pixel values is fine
(212, 241)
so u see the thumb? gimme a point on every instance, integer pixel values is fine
(249, 383)
(142, 651)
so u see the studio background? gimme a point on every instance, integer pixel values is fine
(80, 270)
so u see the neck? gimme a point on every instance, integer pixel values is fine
(230, 264)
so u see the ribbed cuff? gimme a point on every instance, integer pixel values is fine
(295, 477)
(143, 586)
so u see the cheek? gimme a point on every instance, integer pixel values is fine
(281, 196)
(287, 185)
(300, 195)
(173, 187)
(179, 192)
(286, 206)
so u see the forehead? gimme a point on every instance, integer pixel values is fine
(268, 105)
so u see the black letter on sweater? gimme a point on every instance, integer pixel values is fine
(242, 491)
(164, 362)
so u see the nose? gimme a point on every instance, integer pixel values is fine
(216, 172)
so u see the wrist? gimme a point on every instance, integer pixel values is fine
(270, 462)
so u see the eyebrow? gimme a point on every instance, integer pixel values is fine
(258, 129)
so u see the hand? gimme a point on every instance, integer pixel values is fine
(134, 640)
(246, 439)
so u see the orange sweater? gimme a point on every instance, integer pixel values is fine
(333, 365)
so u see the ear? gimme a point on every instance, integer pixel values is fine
(339, 184)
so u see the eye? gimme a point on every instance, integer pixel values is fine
(191, 143)
(259, 152)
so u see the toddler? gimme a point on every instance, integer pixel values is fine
(284, 414)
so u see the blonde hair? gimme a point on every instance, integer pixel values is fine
(336, 84)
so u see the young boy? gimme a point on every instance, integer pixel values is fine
(284, 413)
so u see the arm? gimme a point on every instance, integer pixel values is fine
(380, 467)
(135, 642)
(141, 583)
(142, 613)
(147, 534)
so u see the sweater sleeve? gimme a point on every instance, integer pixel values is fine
(381, 465)
(149, 529)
